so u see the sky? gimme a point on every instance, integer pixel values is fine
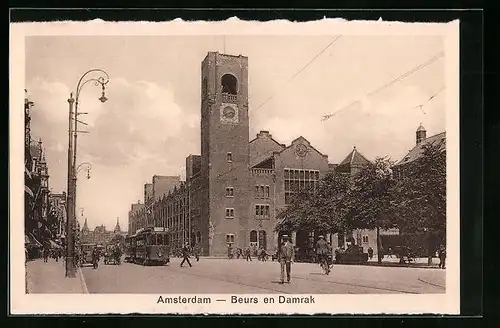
(151, 121)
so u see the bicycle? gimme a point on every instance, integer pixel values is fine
(324, 264)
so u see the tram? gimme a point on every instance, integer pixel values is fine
(149, 246)
(130, 247)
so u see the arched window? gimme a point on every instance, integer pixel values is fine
(253, 236)
(198, 237)
(229, 84)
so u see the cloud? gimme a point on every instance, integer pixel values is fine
(151, 121)
(138, 132)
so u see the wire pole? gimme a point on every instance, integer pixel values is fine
(70, 264)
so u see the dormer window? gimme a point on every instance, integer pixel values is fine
(229, 157)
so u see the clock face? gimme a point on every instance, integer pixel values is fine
(228, 112)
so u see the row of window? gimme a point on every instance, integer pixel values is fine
(258, 239)
(299, 174)
(261, 192)
(261, 211)
(297, 185)
(297, 180)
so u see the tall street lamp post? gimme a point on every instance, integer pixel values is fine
(102, 79)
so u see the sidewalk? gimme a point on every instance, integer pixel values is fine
(394, 262)
(49, 278)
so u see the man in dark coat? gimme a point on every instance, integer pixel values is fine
(185, 254)
(322, 252)
(286, 256)
(442, 257)
(95, 258)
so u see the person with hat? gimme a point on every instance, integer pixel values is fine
(322, 252)
(286, 256)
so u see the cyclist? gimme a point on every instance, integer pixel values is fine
(322, 252)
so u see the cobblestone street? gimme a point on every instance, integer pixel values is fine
(240, 276)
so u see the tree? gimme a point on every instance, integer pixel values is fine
(369, 199)
(317, 209)
(420, 195)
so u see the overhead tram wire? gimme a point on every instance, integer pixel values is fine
(301, 70)
(388, 84)
(428, 100)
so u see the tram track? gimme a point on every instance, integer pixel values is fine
(432, 284)
(230, 281)
(354, 285)
(359, 285)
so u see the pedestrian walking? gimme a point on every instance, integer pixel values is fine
(197, 252)
(442, 256)
(95, 258)
(185, 255)
(286, 256)
(46, 253)
(370, 252)
(248, 255)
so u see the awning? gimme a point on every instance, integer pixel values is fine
(53, 244)
(27, 172)
(28, 191)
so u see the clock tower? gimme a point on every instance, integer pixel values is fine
(224, 151)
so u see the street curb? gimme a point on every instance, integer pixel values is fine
(82, 281)
(369, 264)
(28, 282)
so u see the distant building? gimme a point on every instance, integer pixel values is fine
(100, 235)
(234, 189)
(58, 213)
(404, 166)
(36, 187)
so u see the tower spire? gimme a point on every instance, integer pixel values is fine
(421, 134)
(117, 227)
(85, 226)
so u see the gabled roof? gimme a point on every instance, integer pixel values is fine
(355, 158)
(301, 138)
(269, 136)
(418, 150)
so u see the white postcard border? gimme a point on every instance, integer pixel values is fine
(21, 303)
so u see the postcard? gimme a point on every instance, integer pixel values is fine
(234, 167)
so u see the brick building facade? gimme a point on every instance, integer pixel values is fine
(234, 189)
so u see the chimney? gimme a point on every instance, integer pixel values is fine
(263, 133)
(421, 134)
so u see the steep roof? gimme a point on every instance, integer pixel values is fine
(418, 150)
(420, 128)
(117, 227)
(85, 226)
(355, 158)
